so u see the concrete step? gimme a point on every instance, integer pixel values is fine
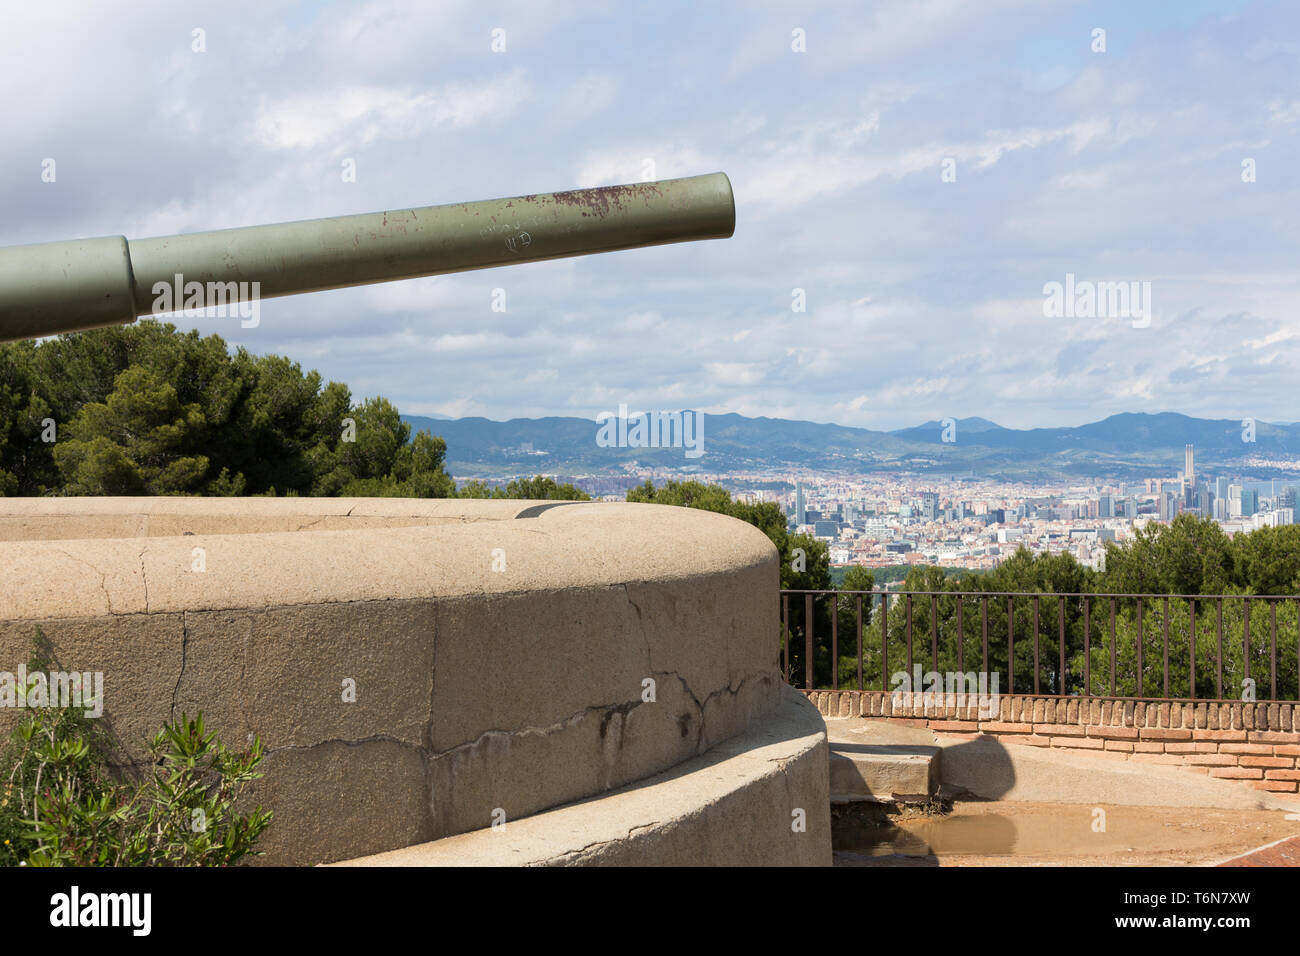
(987, 768)
(883, 773)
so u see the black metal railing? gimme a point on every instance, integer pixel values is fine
(1104, 644)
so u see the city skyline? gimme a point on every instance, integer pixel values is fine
(973, 524)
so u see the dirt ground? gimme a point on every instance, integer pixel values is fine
(1051, 834)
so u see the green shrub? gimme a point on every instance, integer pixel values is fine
(60, 804)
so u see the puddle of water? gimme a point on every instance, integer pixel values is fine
(988, 835)
(873, 832)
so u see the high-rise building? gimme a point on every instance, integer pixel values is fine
(1189, 475)
(1106, 507)
(929, 505)
(1249, 502)
(798, 502)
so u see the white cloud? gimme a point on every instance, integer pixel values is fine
(359, 115)
(735, 373)
(589, 95)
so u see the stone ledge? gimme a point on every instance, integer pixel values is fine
(434, 549)
(732, 806)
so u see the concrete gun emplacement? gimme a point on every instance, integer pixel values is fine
(54, 287)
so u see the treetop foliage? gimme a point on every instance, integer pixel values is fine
(143, 409)
(1190, 555)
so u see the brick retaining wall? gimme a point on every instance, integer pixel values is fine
(1254, 742)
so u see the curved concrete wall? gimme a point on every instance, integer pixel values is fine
(500, 651)
(758, 798)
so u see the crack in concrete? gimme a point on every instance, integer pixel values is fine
(640, 620)
(144, 580)
(372, 739)
(185, 640)
(608, 710)
(574, 855)
(426, 737)
(701, 705)
(560, 725)
(103, 577)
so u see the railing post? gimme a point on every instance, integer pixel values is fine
(1141, 639)
(1112, 647)
(884, 640)
(785, 636)
(859, 605)
(1087, 650)
(1272, 656)
(907, 609)
(1060, 673)
(1035, 645)
(1011, 647)
(835, 641)
(1245, 637)
(961, 638)
(934, 632)
(984, 632)
(1165, 645)
(1192, 649)
(808, 642)
(1218, 693)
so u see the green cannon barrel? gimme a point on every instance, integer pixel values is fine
(56, 287)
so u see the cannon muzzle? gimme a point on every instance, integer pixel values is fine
(56, 287)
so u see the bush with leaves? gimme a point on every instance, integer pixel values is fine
(61, 805)
(56, 749)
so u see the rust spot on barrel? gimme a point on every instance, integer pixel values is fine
(605, 199)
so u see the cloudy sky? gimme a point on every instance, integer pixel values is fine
(924, 291)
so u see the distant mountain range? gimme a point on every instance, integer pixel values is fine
(1125, 445)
